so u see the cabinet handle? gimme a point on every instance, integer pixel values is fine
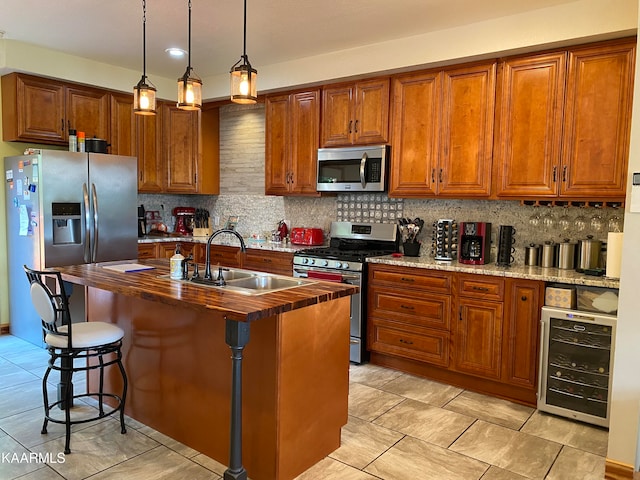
(266, 260)
(350, 124)
(555, 174)
(62, 124)
(523, 298)
(460, 314)
(141, 176)
(408, 307)
(407, 279)
(440, 176)
(480, 289)
(407, 342)
(356, 126)
(433, 175)
(564, 173)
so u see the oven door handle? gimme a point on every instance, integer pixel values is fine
(346, 278)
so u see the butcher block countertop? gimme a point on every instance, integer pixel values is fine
(149, 285)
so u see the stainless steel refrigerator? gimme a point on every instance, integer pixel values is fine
(65, 208)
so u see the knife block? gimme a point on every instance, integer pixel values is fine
(202, 232)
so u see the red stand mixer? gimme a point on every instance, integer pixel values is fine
(184, 220)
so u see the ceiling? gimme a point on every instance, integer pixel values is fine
(277, 30)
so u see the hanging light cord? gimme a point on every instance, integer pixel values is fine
(144, 39)
(189, 62)
(244, 46)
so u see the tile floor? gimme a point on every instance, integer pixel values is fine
(400, 427)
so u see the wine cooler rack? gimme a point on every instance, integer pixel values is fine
(575, 364)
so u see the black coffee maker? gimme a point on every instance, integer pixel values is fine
(475, 243)
(142, 222)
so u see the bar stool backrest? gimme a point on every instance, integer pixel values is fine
(53, 308)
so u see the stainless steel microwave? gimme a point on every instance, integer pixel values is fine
(353, 169)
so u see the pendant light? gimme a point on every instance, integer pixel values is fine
(144, 94)
(243, 76)
(189, 85)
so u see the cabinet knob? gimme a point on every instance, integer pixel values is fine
(523, 298)
(350, 124)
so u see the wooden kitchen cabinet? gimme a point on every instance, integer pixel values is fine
(223, 255)
(597, 121)
(292, 139)
(181, 150)
(123, 126)
(33, 109)
(148, 149)
(147, 250)
(477, 331)
(168, 249)
(529, 133)
(87, 110)
(355, 113)
(564, 123)
(42, 110)
(269, 261)
(409, 313)
(442, 132)
(524, 299)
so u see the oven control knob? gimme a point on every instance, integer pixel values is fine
(325, 263)
(305, 260)
(338, 265)
(345, 265)
(312, 261)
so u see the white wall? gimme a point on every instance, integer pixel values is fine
(625, 407)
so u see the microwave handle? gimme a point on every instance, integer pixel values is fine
(363, 163)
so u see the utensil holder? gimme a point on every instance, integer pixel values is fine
(411, 249)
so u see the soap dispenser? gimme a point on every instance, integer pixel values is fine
(175, 264)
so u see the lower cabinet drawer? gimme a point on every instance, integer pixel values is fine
(428, 345)
(428, 310)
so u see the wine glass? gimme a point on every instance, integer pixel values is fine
(580, 223)
(564, 222)
(596, 223)
(548, 220)
(615, 223)
(534, 219)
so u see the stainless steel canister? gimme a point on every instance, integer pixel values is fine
(589, 254)
(548, 254)
(532, 255)
(567, 255)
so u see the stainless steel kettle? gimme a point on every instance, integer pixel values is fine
(589, 251)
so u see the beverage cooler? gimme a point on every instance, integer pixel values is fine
(576, 361)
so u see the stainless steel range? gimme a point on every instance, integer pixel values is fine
(344, 260)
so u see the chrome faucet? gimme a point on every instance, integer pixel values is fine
(243, 248)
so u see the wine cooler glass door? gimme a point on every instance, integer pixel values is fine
(576, 363)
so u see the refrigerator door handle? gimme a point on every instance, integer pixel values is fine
(94, 246)
(87, 224)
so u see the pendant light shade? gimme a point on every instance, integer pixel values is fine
(244, 77)
(189, 85)
(144, 94)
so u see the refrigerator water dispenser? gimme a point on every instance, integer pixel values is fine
(67, 223)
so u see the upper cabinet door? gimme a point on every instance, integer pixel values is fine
(371, 119)
(529, 125)
(181, 149)
(123, 128)
(88, 111)
(337, 115)
(277, 168)
(305, 137)
(597, 121)
(466, 142)
(32, 109)
(149, 152)
(415, 125)
(355, 113)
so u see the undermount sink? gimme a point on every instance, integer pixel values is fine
(247, 282)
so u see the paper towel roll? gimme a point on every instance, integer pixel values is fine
(614, 254)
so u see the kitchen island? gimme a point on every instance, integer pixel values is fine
(295, 365)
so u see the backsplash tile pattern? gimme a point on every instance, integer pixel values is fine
(368, 207)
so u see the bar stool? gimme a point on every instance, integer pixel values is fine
(74, 347)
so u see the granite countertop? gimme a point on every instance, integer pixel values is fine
(231, 242)
(515, 271)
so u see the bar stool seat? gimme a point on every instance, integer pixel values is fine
(96, 345)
